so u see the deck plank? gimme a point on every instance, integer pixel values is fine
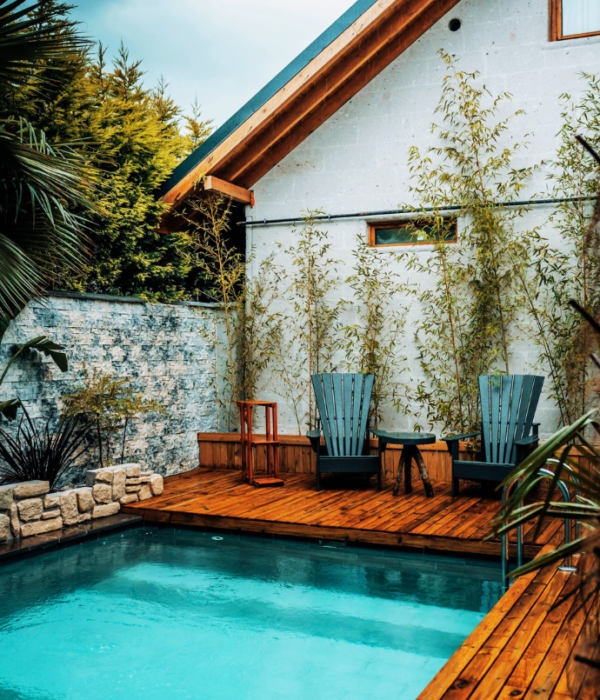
(353, 510)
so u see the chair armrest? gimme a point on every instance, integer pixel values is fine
(466, 436)
(531, 440)
(315, 440)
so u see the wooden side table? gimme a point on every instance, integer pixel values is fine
(271, 443)
(410, 451)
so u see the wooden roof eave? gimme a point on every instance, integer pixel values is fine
(314, 94)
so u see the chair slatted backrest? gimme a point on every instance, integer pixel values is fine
(343, 401)
(508, 405)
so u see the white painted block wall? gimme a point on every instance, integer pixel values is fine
(357, 160)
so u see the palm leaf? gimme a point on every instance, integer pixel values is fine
(40, 185)
(30, 34)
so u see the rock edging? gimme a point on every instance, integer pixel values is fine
(28, 508)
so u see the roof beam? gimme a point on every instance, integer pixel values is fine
(263, 154)
(312, 96)
(391, 24)
(279, 101)
(227, 189)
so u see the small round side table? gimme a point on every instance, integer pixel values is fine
(410, 451)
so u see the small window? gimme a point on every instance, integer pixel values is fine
(411, 232)
(570, 19)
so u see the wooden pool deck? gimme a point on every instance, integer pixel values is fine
(522, 649)
(356, 512)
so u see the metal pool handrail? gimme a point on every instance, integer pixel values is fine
(543, 473)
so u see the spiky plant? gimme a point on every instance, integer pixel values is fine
(42, 186)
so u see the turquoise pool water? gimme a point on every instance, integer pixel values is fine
(154, 614)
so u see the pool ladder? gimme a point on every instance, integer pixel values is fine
(567, 565)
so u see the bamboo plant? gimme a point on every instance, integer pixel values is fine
(571, 271)
(247, 329)
(309, 337)
(470, 312)
(373, 342)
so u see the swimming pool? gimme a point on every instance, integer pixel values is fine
(150, 613)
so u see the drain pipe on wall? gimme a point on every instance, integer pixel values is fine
(399, 212)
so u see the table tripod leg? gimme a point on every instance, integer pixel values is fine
(401, 466)
(424, 473)
(408, 468)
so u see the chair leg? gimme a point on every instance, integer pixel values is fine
(318, 479)
(379, 478)
(455, 487)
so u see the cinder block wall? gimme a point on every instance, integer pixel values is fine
(357, 161)
(166, 351)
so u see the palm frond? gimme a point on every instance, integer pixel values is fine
(40, 187)
(30, 33)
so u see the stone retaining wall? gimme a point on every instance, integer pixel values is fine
(29, 508)
(166, 351)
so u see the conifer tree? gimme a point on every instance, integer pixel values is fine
(137, 135)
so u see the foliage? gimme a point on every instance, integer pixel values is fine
(34, 454)
(309, 338)
(40, 344)
(44, 188)
(247, 329)
(109, 404)
(138, 129)
(198, 129)
(136, 134)
(372, 343)
(469, 312)
(573, 270)
(258, 325)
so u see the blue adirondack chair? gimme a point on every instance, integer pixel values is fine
(508, 406)
(343, 402)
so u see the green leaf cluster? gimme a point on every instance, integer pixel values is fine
(110, 404)
(41, 344)
(46, 188)
(135, 135)
(469, 312)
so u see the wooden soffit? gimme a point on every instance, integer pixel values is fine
(383, 32)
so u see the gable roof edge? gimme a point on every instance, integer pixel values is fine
(343, 23)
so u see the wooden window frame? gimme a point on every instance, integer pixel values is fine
(374, 226)
(556, 24)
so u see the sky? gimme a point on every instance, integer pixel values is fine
(220, 51)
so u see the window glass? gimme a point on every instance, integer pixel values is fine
(405, 233)
(580, 17)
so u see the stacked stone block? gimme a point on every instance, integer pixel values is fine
(166, 351)
(28, 508)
